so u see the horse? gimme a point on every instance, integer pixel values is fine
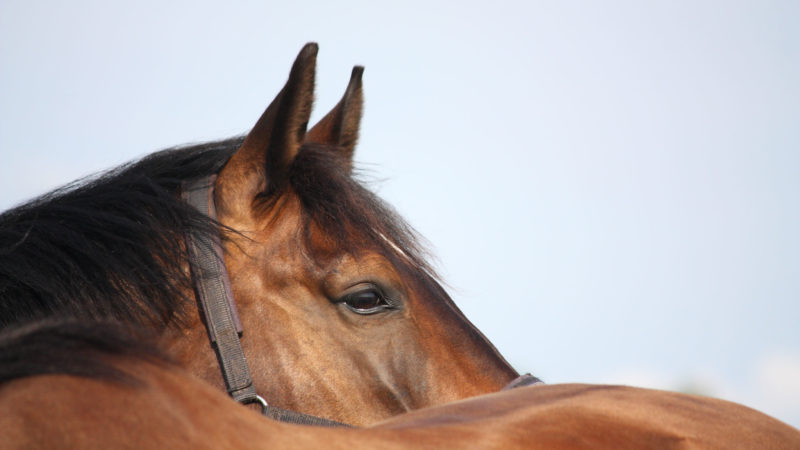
(328, 306)
(112, 391)
(108, 293)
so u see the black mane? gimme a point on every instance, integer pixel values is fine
(109, 247)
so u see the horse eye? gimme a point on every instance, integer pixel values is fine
(368, 301)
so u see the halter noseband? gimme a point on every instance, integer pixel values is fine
(213, 290)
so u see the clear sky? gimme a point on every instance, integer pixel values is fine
(612, 188)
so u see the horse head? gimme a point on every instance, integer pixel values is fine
(342, 317)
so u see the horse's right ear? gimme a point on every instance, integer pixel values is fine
(261, 163)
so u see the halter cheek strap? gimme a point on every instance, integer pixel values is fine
(214, 294)
(213, 290)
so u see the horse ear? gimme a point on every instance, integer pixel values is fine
(261, 163)
(340, 126)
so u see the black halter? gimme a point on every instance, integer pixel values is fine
(213, 291)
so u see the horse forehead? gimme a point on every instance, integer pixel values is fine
(285, 256)
(283, 240)
(366, 266)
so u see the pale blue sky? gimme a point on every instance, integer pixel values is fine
(612, 188)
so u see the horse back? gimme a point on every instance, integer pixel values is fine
(575, 416)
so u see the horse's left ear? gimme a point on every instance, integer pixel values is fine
(340, 126)
(261, 164)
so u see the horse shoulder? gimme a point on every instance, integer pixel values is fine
(162, 408)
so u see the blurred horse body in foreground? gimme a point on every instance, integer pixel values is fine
(129, 397)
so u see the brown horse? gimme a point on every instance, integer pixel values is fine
(341, 316)
(127, 397)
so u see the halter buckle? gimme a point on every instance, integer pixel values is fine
(255, 399)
